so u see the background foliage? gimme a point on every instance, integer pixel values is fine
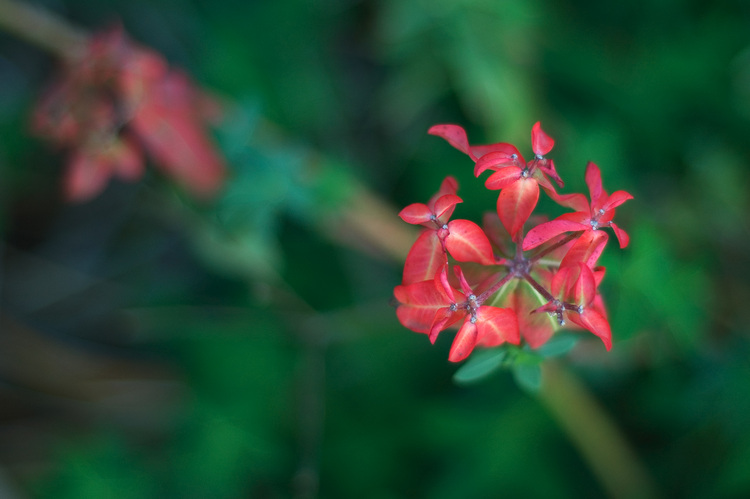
(153, 347)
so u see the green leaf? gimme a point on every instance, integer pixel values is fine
(559, 344)
(528, 376)
(479, 366)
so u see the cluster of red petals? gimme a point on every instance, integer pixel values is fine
(587, 217)
(517, 180)
(432, 306)
(517, 297)
(116, 101)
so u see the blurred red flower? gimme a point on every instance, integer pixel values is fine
(117, 100)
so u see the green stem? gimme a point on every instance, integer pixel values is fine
(594, 434)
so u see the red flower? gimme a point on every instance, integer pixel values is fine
(588, 217)
(462, 239)
(560, 277)
(576, 290)
(431, 306)
(116, 99)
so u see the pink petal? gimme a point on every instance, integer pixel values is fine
(425, 259)
(497, 325)
(544, 182)
(418, 304)
(86, 177)
(547, 307)
(580, 217)
(441, 281)
(503, 178)
(449, 185)
(586, 249)
(515, 204)
(584, 287)
(466, 242)
(622, 236)
(541, 143)
(576, 201)
(599, 274)
(443, 319)
(416, 213)
(495, 161)
(537, 328)
(464, 343)
(503, 147)
(594, 181)
(616, 199)
(174, 135)
(455, 135)
(462, 279)
(546, 231)
(548, 167)
(560, 284)
(444, 206)
(593, 321)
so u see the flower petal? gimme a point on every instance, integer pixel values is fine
(173, 133)
(536, 328)
(444, 317)
(455, 135)
(418, 304)
(444, 206)
(622, 236)
(86, 176)
(467, 242)
(546, 231)
(441, 282)
(586, 249)
(596, 323)
(594, 181)
(548, 166)
(464, 343)
(449, 185)
(616, 199)
(509, 149)
(503, 177)
(425, 259)
(496, 160)
(576, 201)
(416, 213)
(541, 143)
(462, 280)
(577, 284)
(515, 204)
(496, 326)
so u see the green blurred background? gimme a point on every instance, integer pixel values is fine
(152, 347)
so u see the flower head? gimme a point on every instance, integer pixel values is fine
(115, 101)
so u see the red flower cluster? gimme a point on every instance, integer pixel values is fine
(116, 100)
(515, 296)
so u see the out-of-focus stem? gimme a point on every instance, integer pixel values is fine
(370, 224)
(41, 28)
(594, 434)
